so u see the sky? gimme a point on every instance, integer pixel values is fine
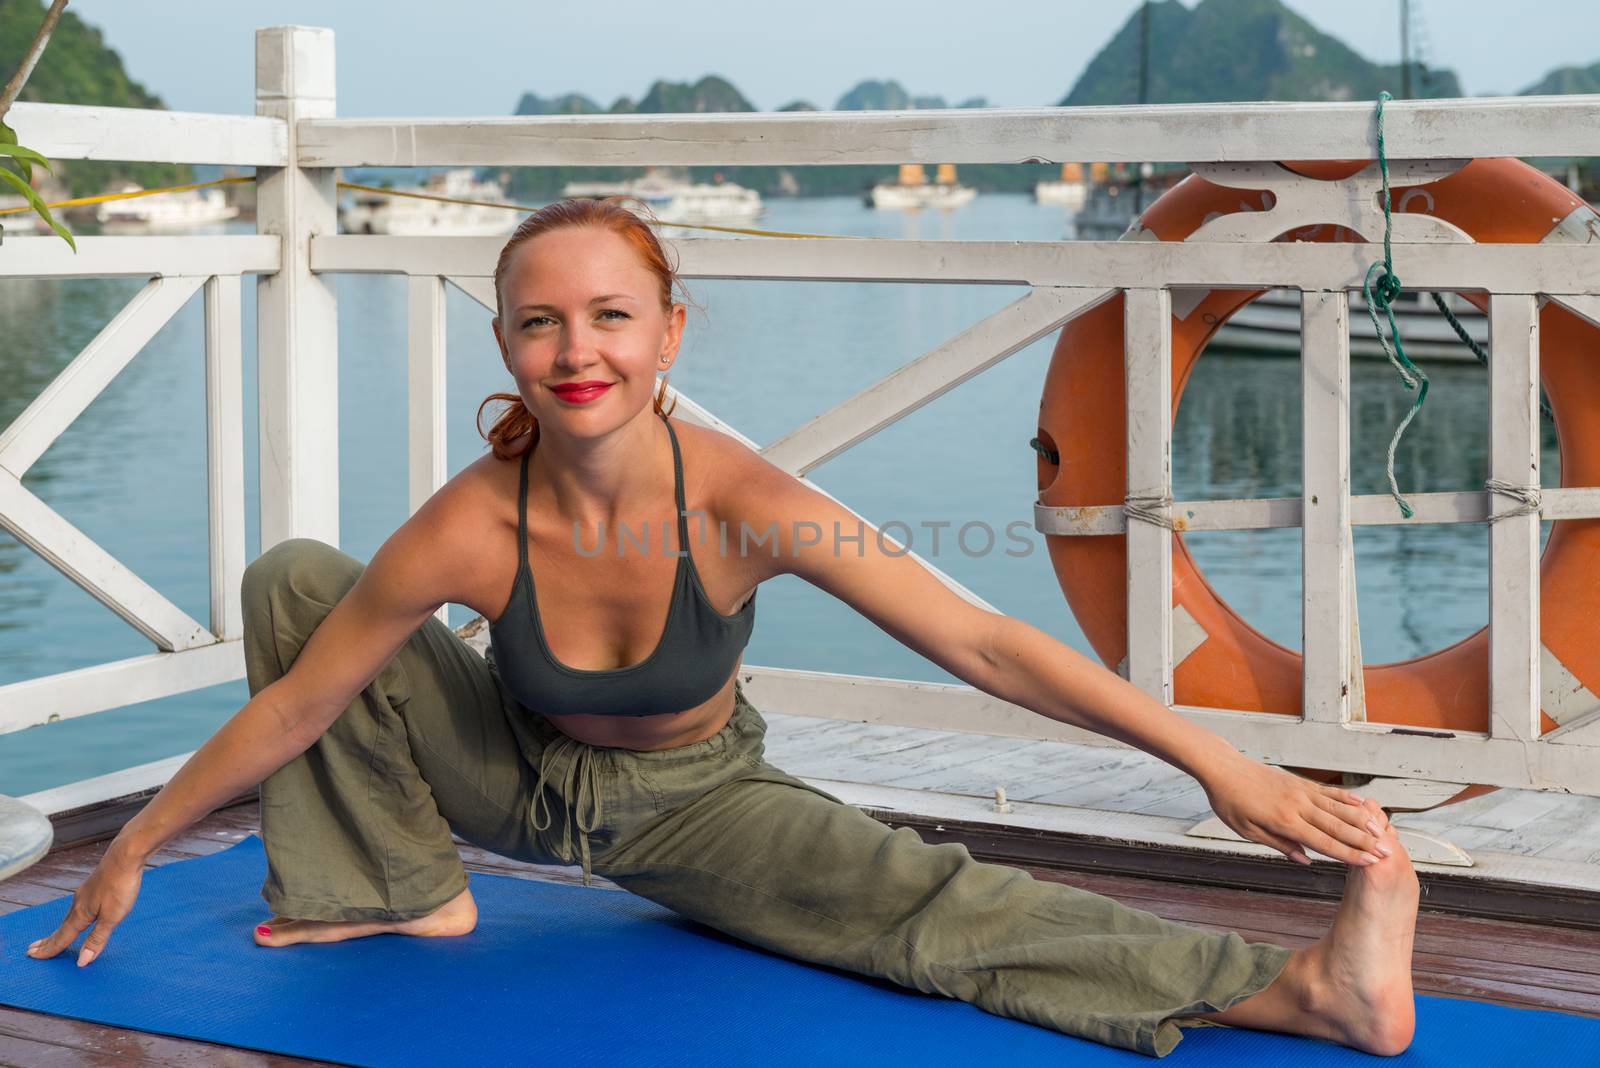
(477, 57)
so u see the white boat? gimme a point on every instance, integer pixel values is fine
(22, 222)
(1271, 324)
(674, 199)
(913, 191)
(1069, 191)
(165, 211)
(375, 213)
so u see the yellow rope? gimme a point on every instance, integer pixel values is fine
(102, 198)
(105, 197)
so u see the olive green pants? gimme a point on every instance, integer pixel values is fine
(359, 827)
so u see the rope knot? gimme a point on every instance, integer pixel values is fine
(1153, 508)
(1387, 288)
(1527, 498)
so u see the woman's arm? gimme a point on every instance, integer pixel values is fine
(419, 568)
(1021, 664)
(1028, 667)
(1264, 804)
(409, 577)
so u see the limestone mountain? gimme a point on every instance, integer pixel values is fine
(1565, 80)
(709, 94)
(1226, 50)
(565, 104)
(79, 68)
(872, 95)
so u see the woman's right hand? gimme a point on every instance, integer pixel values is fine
(102, 901)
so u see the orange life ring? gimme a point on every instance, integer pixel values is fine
(1081, 415)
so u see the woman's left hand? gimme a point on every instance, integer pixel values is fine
(1276, 808)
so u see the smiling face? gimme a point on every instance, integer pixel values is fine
(578, 304)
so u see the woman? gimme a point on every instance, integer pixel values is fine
(623, 740)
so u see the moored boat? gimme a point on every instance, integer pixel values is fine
(912, 191)
(166, 212)
(1271, 324)
(20, 222)
(377, 213)
(1069, 190)
(675, 199)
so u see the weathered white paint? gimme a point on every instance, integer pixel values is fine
(1362, 748)
(1513, 541)
(1147, 364)
(1550, 269)
(427, 468)
(199, 255)
(115, 784)
(225, 453)
(1417, 129)
(1583, 731)
(1353, 203)
(73, 131)
(1588, 307)
(1266, 513)
(91, 371)
(1420, 846)
(479, 287)
(73, 553)
(1159, 830)
(1187, 636)
(1565, 698)
(928, 377)
(33, 702)
(683, 407)
(425, 380)
(296, 319)
(1327, 578)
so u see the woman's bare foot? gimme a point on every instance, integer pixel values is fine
(1354, 985)
(458, 916)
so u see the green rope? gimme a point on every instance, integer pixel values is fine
(1381, 294)
(1477, 349)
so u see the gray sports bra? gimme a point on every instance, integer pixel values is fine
(696, 653)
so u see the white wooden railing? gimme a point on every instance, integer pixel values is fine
(297, 144)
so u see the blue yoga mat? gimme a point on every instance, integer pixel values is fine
(567, 975)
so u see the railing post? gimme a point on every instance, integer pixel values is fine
(427, 468)
(1514, 691)
(225, 454)
(1326, 576)
(296, 318)
(1147, 362)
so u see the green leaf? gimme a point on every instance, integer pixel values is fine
(25, 158)
(38, 205)
(24, 153)
(8, 136)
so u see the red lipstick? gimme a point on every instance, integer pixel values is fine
(580, 392)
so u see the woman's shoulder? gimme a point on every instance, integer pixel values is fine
(750, 496)
(483, 493)
(728, 469)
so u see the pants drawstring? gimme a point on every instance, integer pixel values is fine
(580, 784)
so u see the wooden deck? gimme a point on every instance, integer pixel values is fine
(1456, 956)
(1563, 829)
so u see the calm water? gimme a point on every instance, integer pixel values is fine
(130, 472)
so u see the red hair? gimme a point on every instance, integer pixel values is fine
(609, 214)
